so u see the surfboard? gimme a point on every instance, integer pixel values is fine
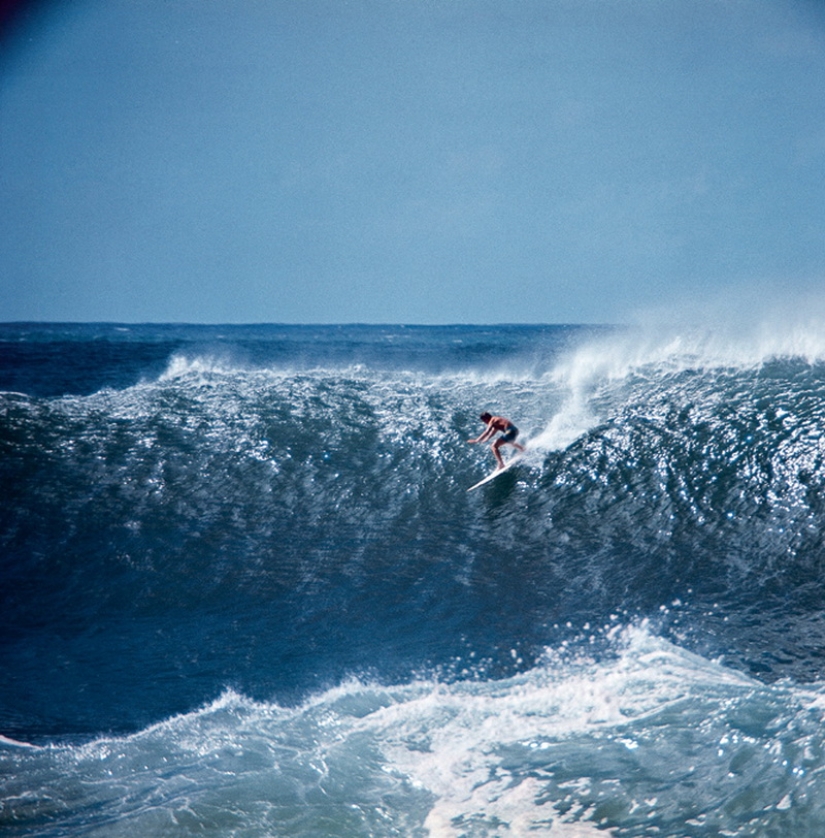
(7, 740)
(496, 473)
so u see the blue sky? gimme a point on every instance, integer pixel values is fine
(409, 161)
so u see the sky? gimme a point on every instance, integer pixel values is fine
(409, 161)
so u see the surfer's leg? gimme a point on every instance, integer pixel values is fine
(510, 439)
(495, 446)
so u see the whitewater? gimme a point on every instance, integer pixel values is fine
(246, 593)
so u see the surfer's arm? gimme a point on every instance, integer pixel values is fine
(488, 432)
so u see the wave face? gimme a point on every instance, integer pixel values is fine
(245, 591)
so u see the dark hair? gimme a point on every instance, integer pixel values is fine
(485, 417)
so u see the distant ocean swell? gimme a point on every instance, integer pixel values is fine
(622, 634)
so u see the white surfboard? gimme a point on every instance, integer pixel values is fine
(7, 740)
(497, 472)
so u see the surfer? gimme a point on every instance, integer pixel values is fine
(508, 430)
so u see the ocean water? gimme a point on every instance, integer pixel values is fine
(244, 591)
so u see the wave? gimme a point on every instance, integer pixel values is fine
(622, 634)
(648, 739)
(309, 513)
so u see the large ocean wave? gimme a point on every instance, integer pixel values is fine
(623, 632)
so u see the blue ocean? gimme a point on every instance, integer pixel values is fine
(245, 592)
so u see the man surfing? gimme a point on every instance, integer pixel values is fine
(508, 430)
